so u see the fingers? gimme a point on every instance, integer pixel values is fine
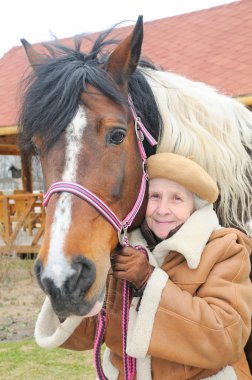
(119, 259)
(127, 258)
(130, 264)
(121, 275)
(126, 251)
(123, 255)
(121, 264)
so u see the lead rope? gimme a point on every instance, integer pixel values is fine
(122, 227)
(100, 330)
(129, 363)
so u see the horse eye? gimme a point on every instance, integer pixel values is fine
(116, 136)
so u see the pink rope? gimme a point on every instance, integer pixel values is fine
(101, 324)
(129, 363)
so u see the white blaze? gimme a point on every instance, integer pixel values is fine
(58, 268)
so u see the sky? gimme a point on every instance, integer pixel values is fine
(38, 21)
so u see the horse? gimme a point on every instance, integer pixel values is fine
(76, 116)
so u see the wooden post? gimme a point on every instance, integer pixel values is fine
(7, 221)
(26, 172)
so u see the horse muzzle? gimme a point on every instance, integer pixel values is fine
(67, 288)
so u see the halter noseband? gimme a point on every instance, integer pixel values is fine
(91, 198)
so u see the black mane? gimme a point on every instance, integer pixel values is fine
(52, 91)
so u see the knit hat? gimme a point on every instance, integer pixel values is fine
(185, 172)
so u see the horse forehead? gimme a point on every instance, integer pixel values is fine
(100, 104)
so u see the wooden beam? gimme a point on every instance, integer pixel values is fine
(9, 139)
(9, 149)
(26, 172)
(10, 130)
(246, 100)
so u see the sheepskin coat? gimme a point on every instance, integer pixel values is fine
(194, 317)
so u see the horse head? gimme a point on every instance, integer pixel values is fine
(77, 118)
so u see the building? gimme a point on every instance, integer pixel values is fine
(211, 45)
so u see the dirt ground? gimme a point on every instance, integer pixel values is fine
(20, 299)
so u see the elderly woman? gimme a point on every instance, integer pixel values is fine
(190, 314)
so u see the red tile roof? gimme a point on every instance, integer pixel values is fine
(212, 45)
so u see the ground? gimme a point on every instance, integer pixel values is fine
(20, 299)
(21, 358)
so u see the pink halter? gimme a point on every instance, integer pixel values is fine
(87, 195)
(122, 228)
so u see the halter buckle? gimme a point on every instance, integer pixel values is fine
(139, 132)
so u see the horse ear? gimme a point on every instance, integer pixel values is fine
(33, 56)
(123, 60)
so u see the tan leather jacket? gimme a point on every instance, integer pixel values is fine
(195, 315)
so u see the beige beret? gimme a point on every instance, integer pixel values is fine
(184, 171)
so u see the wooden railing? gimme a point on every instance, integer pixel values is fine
(22, 220)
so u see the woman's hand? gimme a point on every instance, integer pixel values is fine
(132, 265)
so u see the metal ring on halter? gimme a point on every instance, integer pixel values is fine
(145, 170)
(139, 132)
(123, 236)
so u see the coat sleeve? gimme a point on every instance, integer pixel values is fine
(83, 336)
(206, 329)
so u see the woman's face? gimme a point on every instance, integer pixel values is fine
(169, 205)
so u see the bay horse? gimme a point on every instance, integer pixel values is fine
(76, 117)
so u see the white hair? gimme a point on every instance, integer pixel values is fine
(214, 130)
(199, 202)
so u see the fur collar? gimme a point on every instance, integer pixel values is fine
(189, 240)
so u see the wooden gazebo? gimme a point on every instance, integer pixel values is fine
(9, 146)
(21, 213)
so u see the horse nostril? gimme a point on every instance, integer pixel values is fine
(38, 268)
(84, 275)
(73, 288)
(67, 293)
